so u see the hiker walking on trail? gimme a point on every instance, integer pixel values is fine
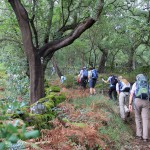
(62, 79)
(112, 80)
(83, 75)
(141, 91)
(92, 76)
(123, 89)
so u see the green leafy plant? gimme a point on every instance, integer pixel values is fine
(11, 132)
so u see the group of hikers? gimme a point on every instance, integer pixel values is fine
(135, 96)
(88, 76)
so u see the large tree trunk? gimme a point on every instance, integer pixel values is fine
(130, 60)
(35, 66)
(34, 55)
(36, 79)
(103, 59)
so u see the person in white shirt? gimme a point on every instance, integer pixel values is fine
(123, 89)
(62, 79)
(141, 106)
(83, 76)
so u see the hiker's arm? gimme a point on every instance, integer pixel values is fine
(130, 101)
(106, 81)
(131, 96)
(117, 88)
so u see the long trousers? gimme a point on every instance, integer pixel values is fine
(112, 92)
(141, 117)
(122, 104)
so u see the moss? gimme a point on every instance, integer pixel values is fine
(81, 125)
(65, 120)
(52, 89)
(42, 100)
(49, 104)
(59, 98)
(46, 84)
(40, 121)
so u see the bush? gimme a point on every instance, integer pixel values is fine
(70, 81)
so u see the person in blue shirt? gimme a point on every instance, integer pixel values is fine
(112, 80)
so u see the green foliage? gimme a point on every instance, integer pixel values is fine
(116, 130)
(40, 121)
(70, 81)
(10, 133)
(54, 89)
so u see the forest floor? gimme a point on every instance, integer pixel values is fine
(66, 129)
(136, 144)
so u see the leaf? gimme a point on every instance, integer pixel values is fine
(32, 134)
(13, 138)
(2, 146)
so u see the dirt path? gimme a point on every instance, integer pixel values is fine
(137, 144)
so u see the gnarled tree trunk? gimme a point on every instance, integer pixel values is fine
(38, 56)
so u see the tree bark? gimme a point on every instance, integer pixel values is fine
(103, 59)
(56, 67)
(130, 60)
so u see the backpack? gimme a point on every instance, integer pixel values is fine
(94, 74)
(142, 88)
(85, 74)
(113, 80)
(124, 87)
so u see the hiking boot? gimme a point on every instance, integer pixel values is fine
(145, 140)
(124, 120)
(139, 137)
(128, 114)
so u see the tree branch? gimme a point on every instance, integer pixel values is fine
(69, 39)
(33, 25)
(23, 21)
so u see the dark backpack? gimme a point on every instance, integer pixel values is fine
(125, 89)
(85, 74)
(94, 74)
(142, 88)
(113, 80)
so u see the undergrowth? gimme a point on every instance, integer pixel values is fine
(118, 132)
(89, 123)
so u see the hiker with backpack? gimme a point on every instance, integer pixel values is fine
(92, 76)
(141, 91)
(112, 80)
(123, 89)
(83, 75)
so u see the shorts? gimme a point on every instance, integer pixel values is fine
(92, 83)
